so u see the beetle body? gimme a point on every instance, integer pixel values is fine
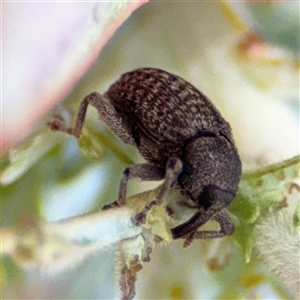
(168, 117)
(182, 136)
(162, 111)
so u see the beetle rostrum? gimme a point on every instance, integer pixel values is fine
(183, 138)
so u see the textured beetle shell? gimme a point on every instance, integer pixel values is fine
(161, 111)
(217, 160)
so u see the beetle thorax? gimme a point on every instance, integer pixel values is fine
(209, 160)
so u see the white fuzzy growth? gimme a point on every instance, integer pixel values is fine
(102, 228)
(69, 241)
(278, 242)
(57, 246)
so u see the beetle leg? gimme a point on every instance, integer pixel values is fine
(219, 199)
(173, 169)
(106, 112)
(57, 125)
(226, 224)
(143, 171)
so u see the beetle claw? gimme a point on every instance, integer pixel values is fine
(141, 218)
(111, 205)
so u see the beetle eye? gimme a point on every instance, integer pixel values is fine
(205, 197)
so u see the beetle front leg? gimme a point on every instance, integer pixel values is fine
(218, 200)
(226, 224)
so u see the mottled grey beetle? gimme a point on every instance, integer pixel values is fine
(183, 138)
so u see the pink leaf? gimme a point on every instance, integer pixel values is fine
(47, 47)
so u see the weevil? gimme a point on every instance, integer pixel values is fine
(182, 136)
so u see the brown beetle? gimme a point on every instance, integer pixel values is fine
(182, 136)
